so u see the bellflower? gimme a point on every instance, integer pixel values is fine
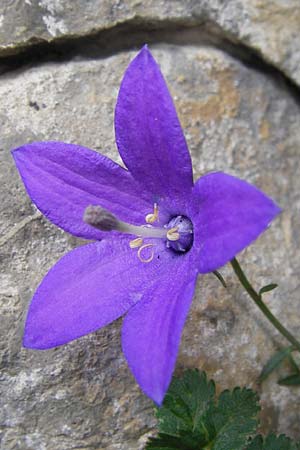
(154, 229)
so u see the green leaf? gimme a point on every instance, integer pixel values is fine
(191, 419)
(166, 442)
(291, 380)
(220, 278)
(268, 288)
(184, 405)
(275, 360)
(294, 364)
(234, 419)
(272, 442)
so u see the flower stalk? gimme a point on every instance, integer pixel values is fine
(257, 298)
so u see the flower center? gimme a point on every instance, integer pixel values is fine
(178, 233)
(185, 230)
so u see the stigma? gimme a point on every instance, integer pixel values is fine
(177, 233)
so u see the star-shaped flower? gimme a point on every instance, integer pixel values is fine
(155, 230)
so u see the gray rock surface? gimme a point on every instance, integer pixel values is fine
(236, 119)
(270, 27)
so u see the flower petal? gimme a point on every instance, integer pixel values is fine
(228, 214)
(152, 328)
(148, 133)
(63, 179)
(88, 288)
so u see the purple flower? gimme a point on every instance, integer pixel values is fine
(155, 230)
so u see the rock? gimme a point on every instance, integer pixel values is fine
(235, 119)
(268, 27)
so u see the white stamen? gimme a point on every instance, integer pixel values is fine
(135, 243)
(172, 234)
(153, 217)
(145, 260)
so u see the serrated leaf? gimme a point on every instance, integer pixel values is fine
(268, 288)
(256, 443)
(291, 380)
(185, 402)
(234, 419)
(166, 442)
(190, 418)
(272, 442)
(275, 360)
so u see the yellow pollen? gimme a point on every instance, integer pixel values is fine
(149, 259)
(153, 217)
(135, 243)
(172, 234)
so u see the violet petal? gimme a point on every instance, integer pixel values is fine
(228, 214)
(63, 179)
(88, 288)
(152, 328)
(148, 133)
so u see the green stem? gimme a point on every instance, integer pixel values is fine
(262, 306)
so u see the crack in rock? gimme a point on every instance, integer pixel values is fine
(269, 27)
(19, 226)
(134, 34)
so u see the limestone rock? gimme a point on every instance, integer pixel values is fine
(270, 27)
(235, 119)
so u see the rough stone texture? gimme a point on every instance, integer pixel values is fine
(271, 27)
(235, 119)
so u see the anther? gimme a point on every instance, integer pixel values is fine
(153, 217)
(172, 234)
(141, 249)
(135, 243)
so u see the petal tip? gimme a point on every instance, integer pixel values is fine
(157, 394)
(15, 151)
(34, 343)
(19, 156)
(275, 210)
(145, 50)
(34, 337)
(158, 400)
(144, 53)
(28, 342)
(278, 210)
